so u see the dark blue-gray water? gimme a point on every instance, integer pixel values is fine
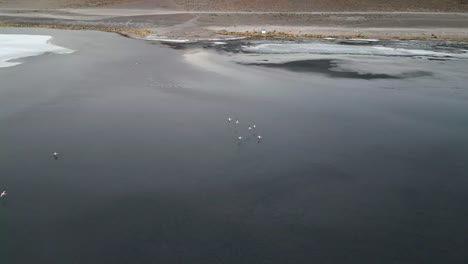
(350, 170)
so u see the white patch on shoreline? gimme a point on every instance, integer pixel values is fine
(227, 39)
(364, 40)
(19, 46)
(195, 40)
(168, 40)
(176, 40)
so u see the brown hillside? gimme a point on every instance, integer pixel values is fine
(326, 5)
(254, 5)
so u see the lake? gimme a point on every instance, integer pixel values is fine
(363, 156)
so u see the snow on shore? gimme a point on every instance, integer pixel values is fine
(19, 46)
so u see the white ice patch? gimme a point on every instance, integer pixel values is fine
(19, 46)
(319, 48)
(168, 40)
(225, 39)
(366, 40)
(176, 40)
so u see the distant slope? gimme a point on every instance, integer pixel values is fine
(326, 5)
(254, 5)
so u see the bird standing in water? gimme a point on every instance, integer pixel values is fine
(56, 155)
(229, 119)
(259, 138)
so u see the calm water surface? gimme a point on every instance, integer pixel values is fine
(351, 169)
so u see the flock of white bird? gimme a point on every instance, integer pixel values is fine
(230, 120)
(250, 128)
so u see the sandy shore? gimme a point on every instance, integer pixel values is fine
(199, 25)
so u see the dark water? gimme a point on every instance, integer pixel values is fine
(349, 171)
(325, 66)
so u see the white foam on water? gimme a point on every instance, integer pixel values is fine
(19, 46)
(320, 48)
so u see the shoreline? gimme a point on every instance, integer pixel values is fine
(336, 33)
(126, 32)
(142, 33)
(208, 25)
